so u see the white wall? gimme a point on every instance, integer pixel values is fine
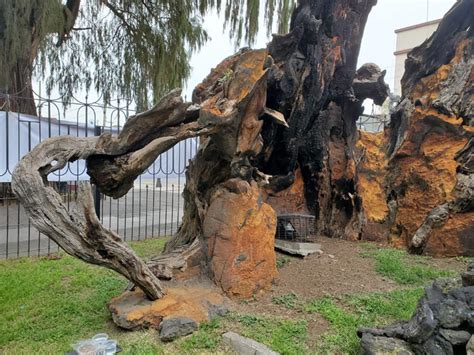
(407, 39)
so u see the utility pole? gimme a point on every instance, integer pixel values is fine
(427, 10)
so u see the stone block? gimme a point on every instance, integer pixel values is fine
(246, 346)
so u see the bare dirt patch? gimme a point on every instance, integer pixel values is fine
(339, 271)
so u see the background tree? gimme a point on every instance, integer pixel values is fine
(136, 48)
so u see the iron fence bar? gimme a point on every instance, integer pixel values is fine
(97, 132)
(146, 210)
(125, 220)
(151, 213)
(139, 206)
(133, 205)
(49, 136)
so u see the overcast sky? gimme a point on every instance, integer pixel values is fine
(378, 42)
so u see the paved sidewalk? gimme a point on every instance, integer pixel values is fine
(136, 216)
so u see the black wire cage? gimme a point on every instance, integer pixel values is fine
(296, 228)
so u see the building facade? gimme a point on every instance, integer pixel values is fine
(407, 39)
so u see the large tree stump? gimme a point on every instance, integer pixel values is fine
(261, 115)
(278, 133)
(429, 182)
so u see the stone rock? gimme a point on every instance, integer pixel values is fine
(446, 285)
(468, 278)
(455, 337)
(132, 310)
(246, 346)
(451, 313)
(442, 324)
(380, 345)
(434, 346)
(298, 248)
(217, 310)
(172, 328)
(239, 231)
(470, 267)
(470, 346)
(422, 325)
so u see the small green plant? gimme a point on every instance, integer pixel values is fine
(464, 259)
(289, 301)
(287, 337)
(281, 261)
(206, 338)
(226, 77)
(249, 319)
(403, 268)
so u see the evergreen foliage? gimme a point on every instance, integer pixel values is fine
(133, 48)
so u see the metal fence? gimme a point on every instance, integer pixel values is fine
(372, 123)
(153, 207)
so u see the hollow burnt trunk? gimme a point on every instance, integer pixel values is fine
(292, 149)
(258, 115)
(430, 141)
(277, 130)
(422, 192)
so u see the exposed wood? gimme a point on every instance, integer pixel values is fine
(272, 123)
(78, 232)
(430, 176)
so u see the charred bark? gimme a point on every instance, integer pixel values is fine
(312, 85)
(262, 115)
(430, 177)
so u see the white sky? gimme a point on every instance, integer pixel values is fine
(378, 42)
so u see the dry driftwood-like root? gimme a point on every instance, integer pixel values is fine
(115, 162)
(78, 231)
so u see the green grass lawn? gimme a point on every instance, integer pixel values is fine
(46, 305)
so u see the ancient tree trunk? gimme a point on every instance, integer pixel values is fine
(17, 96)
(265, 117)
(79, 231)
(431, 141)
(278, 135)
(295, 154)
(422, 196)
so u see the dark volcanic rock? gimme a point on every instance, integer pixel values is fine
(372, 345)
(468, 278)
(455, 337)
(470, 346)
(173, 328)
(443, 323)
(421, 326)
